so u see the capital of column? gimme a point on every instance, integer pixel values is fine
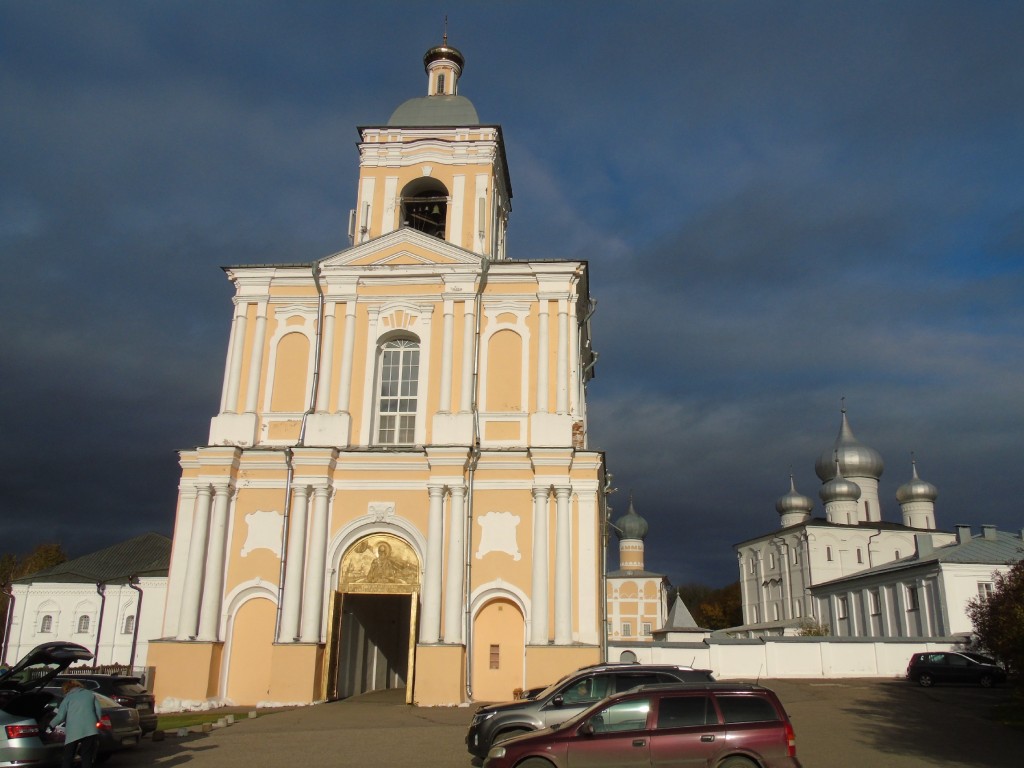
(541, 491)
(563, 491)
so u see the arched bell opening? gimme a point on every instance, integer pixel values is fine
(425, 207)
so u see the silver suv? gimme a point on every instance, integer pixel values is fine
(569, 696)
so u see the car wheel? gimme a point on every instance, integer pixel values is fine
(986, 681)
(926, 680)
(504, 735)
(737, 762)
(535, 762)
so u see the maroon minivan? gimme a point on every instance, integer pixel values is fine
(723, 725)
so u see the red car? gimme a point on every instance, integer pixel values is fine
(715, 724)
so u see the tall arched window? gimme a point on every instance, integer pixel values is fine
(83, 623)
(46, 625)
(398, 371)
(129, 625)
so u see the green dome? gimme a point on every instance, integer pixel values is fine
(630, 525)
(434, 112)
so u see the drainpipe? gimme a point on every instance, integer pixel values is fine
(289, 454)
(8, 590)
(474, 459)
(101, 590)
(133, 582)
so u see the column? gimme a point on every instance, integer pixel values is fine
(539, 581)
(453, 594)
(345, 385)
(316, 566)
(446, 356)
(188, 622)
(468, 348)
(787, 588)
(543, 351)
(252, 387)
(924, 608)
(293, 567)
(233, 378)
(213, 583)
(562, 386)
(430, 619)
(563, 567)
(323, 395)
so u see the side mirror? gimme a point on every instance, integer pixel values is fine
(587, 729)
(558, 700)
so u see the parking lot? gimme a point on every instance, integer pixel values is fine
(839, 724)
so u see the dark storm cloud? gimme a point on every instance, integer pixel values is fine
(781, 204)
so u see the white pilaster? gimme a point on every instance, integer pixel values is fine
(188, 622)
(323, 395)
(563, 567)
(213, 583)
(252, 387)
(453, 594)
(539, 580)
(562, 385)
(430, 620)
(316, 567)
(345, 391)
(294, 566)
(543, 351)
(234, 377)
(446, 356)
(468, 341)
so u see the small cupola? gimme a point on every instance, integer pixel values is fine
(443, 64)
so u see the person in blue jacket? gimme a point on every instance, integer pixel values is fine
(80, 715)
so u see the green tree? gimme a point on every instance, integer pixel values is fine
(711, 608)
(999, 620)
(13, 566)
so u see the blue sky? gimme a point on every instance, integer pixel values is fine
(782, 204)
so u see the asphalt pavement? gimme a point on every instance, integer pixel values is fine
(839, 724)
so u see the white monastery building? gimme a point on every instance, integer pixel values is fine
(777, 570)
(397, 491)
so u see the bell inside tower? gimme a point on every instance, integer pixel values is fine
(425, 207)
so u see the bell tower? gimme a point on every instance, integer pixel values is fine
(435, 167)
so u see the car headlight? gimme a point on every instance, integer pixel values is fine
(496, 753)
(479, 717)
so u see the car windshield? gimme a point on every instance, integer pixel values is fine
(978, 657)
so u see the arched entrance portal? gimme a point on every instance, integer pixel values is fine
(373, 623)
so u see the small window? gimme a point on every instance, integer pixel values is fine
(796, 609)
(684, 711)
(627, 657)
(876, 602)
(495, 657)
(746, 709)
(771, 561)
(627, 629)
(912, 599)
(842, 607)
(796, 557)
(629, 715)
(828, 554)
(83, 624)
(647, 629)
(129, 625)
(984, 590)
(896, 555)
(775, 612)
(46, 625)
(860, 556)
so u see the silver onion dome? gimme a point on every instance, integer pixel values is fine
(794, 501)
(839, 488)
(630, 525)
(916, 489)
(855, 458)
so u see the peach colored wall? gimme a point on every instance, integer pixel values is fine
(295, 674)
(440, 677)
(251, 652)
(185, 671)
(499, 623)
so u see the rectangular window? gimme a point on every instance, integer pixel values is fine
(842, 607)
(984, 590)
(399, 382)
(647, 629)
(796, 557)
(771, 561)
(828, 554)
(875, 601)
(796, 608)
(912, 599)
(495, 657)
(627, 629)
(685, 711)
(860, 557)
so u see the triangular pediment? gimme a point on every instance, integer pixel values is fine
(403, 247)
